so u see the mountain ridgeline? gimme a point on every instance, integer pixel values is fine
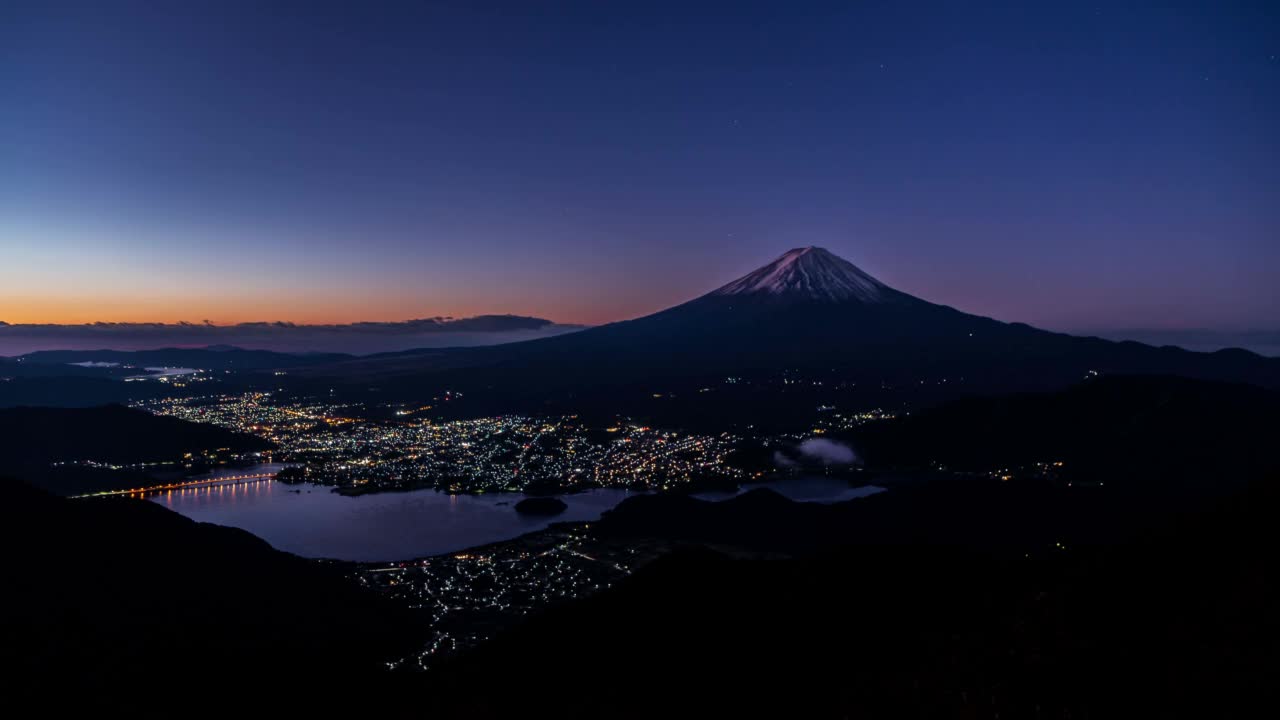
(809, 314)
(130, 604)
(86, 378)
(214, 357)
(49, 447)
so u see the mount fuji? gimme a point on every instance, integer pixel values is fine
(808, 313)
(815, 274)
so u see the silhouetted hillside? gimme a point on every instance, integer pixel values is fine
(1133, 450)
(1122, 429)
(49, 377)
(1173, 624)
(121, 605)
(35, 437)
(73, 390)
(11, 368)
(947, 595)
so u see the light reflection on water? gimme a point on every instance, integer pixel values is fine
(312, 521)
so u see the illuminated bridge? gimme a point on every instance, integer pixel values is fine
(206, 482)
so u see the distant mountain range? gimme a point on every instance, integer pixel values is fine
(806, 329)
(213, 357)
(357, 337)
(808, 313)
(83, 378)
(1263, 342)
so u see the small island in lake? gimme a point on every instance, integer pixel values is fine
(541, 506)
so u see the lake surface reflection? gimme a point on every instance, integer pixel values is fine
(312, 521)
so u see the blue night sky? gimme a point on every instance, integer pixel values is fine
(1071, 165)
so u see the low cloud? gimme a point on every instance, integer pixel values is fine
(782, 460)
(358, 338)
(817, 450)
(828, 452)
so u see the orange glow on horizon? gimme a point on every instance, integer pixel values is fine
(76, 309)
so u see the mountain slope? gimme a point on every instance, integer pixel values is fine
(809, 313)
(130, 604)
(32, 438)
(1171, 624)
(1122, 430)
(946, 595)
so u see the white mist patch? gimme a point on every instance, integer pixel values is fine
(817, 450)
(828, 452)
(781, 460)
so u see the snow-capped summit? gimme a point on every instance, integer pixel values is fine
(814, 273)
(809, 312)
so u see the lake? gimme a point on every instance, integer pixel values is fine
(312, 521)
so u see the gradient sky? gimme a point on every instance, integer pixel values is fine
(1071, 165)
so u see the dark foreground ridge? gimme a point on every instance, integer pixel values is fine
(1173, 623)
(952, 594)
(36, 437)
(131, 606)
(1136, 578)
